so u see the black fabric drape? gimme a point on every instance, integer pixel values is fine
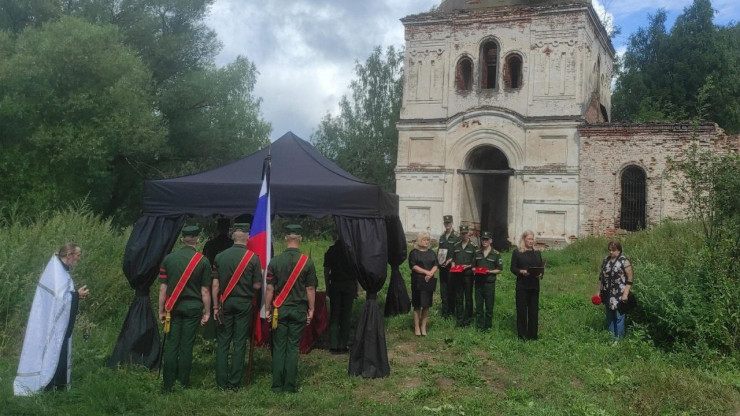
(151, 239)
(138, 342)
(365, 240)
(397, 299)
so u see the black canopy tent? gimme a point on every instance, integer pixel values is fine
(302, 182)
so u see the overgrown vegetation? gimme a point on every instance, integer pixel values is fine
(572, 370)
(663, 70)
(97, 96)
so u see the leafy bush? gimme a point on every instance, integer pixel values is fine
(27, 250)
(686, 299)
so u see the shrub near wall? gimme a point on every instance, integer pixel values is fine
(686, 301)
(26, 249)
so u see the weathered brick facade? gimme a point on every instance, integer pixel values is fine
(504, 125)
(607, 149)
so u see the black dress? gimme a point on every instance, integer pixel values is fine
(421, 290)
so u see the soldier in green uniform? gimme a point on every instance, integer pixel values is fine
(485, 283)
(341, 286)
(237, 276)
(463, 255)
(447, 241)
(184, 295)
(295, 306)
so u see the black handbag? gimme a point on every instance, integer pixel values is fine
(629, 305)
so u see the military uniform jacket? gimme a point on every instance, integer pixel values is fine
(491, 262)
(449, 243)
(342, 277)
(226, 263)
(279, 270)
(464, 256)
(174, 266)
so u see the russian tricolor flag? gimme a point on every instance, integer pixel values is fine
(260, 235)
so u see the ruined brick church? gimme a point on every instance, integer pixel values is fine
(505, 124)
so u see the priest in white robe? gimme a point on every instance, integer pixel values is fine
(47, 348)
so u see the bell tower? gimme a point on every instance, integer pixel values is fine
(493, 93)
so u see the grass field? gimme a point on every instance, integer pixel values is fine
(573, 369)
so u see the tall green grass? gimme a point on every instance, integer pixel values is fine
(27, 249)
(686, 301)
(574, 369)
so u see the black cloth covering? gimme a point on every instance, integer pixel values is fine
(151, 239)
(397, 299)
(302, 182)
(369, 355)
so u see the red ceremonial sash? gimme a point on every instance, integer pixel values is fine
(237, 274)
(183, 280)
(291, 281)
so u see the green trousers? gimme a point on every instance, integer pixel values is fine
(340, 314)
(178, 349)
(485, 295)
(234, 332)
(463, 283)
(444, 277)
(285, 341)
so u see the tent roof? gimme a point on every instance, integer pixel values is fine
(302, 182)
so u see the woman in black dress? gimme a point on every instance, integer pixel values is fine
(527, 286)
(423, 265)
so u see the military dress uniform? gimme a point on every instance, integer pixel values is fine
(236, 310)
(447, 242)
(463, 282)
(186, 313)
(341, 287)
(485, 286)
(291, 317)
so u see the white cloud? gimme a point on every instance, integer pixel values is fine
(606, 18)
(305, 50)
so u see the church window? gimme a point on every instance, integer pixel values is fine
(513, 72)
(464, 75)
(489, 63)
(634, 199)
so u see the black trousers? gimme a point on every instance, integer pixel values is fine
(527, 310)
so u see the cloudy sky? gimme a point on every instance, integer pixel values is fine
(305, 50)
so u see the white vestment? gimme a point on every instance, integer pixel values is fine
(47, 326)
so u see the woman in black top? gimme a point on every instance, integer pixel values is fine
(527, 286)
(423, 265)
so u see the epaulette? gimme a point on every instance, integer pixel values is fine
(495, 251)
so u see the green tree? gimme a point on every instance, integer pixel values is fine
(205, 115)
(76, 117)
(363, 139)
(662, 72)
(16, 15)
(211, 114)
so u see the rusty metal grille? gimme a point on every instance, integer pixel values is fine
(634, 199)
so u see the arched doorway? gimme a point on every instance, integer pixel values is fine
(487, 184)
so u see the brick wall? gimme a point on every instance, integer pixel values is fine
(607, 149)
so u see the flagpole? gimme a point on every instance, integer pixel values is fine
(261, 244)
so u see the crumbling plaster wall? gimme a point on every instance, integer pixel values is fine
(566, 66)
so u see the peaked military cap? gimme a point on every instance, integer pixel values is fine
(464, 229)
(240, 226)
(190, 231)
(293, 229)
(486, 235)
(447, 218)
